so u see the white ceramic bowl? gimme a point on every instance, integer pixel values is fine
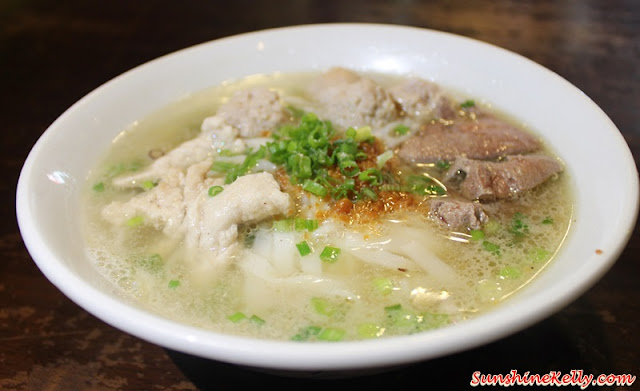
(50, 182)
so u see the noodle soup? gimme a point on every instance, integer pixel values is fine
(325, 207)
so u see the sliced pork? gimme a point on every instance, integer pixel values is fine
(215, 134)
(164, 207)
(181, 207)
(211, 223)
(489, 181)
(483, 138)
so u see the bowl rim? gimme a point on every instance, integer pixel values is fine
(292, 355)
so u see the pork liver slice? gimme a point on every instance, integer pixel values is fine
(484, 138)
(490, 181)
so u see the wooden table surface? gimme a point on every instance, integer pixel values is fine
(54, 52)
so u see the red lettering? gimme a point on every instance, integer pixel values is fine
(475, 379)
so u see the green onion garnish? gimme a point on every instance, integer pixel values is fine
(215, 190)
(147, 185)
(256, 320)
(384, 157)
(305, 225)
(519, 226)
(363, 133)
(152, 263)
(330, 254)
(135, 221)
(314, 188)
(349, 168)
(307, 333)
(285, 225)
(98, 187)
(303, 248)
(443, 164)
(173, 284)
(383, 285)
(237, 317)
(401, 130)
(491, 247)
(509, 272)
(369, 330)
(467, 103)
(538, 254)
(323, 306)
(331, 334)
(365, 192)
(371, 175)
(476, 234)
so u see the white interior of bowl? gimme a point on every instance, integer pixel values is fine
(584, 137)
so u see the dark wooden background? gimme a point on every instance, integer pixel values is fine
(54, 52)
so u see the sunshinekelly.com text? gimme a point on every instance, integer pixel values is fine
(575, 377)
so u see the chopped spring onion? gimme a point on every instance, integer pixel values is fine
(476, 234)
(173, 284)
(401, 130)
(295, 112)
(323, 306)
(303, 248)
(432, 321)
(547, 220)
(399, 317)
(314, 188)
(307, 333)
(349, 168)
(215, 190)
(285, 225)
(305, 225)
(234, 170)
(509, 272)
(365, 192)
(152, 263)
(360, 134)
(467, 103)
(383, 285)
(328, 334)
(425, 186)
(98, 187)
(256, 320)
(147, 185)
(519, 226)
(491, 247)
(330, 254)
(369, 330)
(343, 190)
(119, 168)
(538, 254)
(371, 175)
(443, 164)
(226, 152)
(331, 334)
(383, 158)
(222, 166)
(237, 317)
(135, 221)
